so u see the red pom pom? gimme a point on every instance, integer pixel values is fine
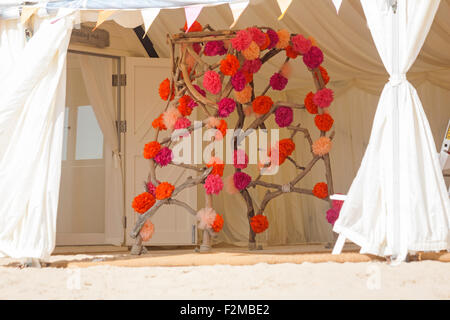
(320, 190)
(259, 223)
(324, 122)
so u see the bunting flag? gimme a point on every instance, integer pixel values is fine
(284, 5)
(27, 12)
(103, 16)
(192, 14)
(149, 15)
(337, 4)
(236, 9)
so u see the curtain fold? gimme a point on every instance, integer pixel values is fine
(398, 201)
(31, 121)
(97, 74)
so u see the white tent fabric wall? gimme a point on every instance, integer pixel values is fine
(97, 73)
(31, 121)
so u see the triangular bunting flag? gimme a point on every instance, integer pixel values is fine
(149, 15)
(284, 5)
(236, 9)
(337, 4)
(103, 16)
(192, 14)
(27, 12)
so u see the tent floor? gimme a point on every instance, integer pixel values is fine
(88, 256)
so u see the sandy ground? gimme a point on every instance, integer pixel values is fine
(365, 280)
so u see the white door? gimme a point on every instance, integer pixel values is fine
(173, 225)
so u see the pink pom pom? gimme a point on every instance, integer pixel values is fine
(192, 104)
(278, 82)
(151, 188)
(273, 36)
(323, 98)
(164, 156)
(301, 44)
(252, 66)
(240, 159)
(213, 184)
(322, 146)
(242, 40)
(241, 180)
(206, 217)
(211, 82)
(229, 185)
(238, 81)
(257, 35)
(183, 123)
(284, 116)
(313, 58)
(147, 230)
(215, 48)
(226, 106)
(170, 117)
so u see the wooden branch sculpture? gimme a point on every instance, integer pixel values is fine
(195, 82)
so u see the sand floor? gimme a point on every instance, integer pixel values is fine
(274, 273)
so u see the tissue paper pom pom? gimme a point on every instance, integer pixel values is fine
(217, 165)
(243, 96)
(206, 217)
(323, 98)
(230, 65)
(225, 107)
(322, 146)
(320, 190)
(151, 188)
(324, 73)
(192, 104)
(212, 122)
(200, 90)
(252, 66)
(211, 82)
(283, 39)
(182, 123)
(291, 53)
(241, 180)
(286, 70)
(238, 81)
(313, 58)
(213, 184)
(195, 27)
(164, 89)
(284, 116)
(259, 223)
(222, 127)
(252, 52)
(143, 202)
(151, 149)
(170, 117)
(248, 76)
(324, 122)
(242, 40)
(164, 157)
(218, 223)
(158, 123)
(164, 190)
(262, 104)
(215, 48)
(240, 159)
(300, 44)
(281, 151)
(185, 109)
(266, 43)
(257, 35)
(332, 216)
(273, 36)
(147, 231)
(278, 82)
(229, 185)
(309, 104)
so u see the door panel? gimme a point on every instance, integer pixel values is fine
(173, 225)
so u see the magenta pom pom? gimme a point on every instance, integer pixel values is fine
(240, 159)
(197, 47)
(211, 82)
(273, 36)
(284, 116)
(257, 35)
(300, 44)
(278, 82)
(241, 180)
(313, 58)
(252, 66)
(238, 81)
(323, 98)
(215, 48)
(192, 104)
(182, 123)
(226, 106)
(213, 184)
(164, 156)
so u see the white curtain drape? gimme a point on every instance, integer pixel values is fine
(97, 72)
(398, 200)
(32, 99)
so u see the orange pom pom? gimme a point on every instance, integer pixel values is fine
(320, 190)
(158, 123)
(143, 202)
(151, 149)
(324, 122)
(183, 107)
(230, 65)
(244, 96)
(322, 146)
(291, 53)
(195, 27)
(262, 104)
(217, 165)
(266, 43)
(283, 39)
(164, 89)
(259, 223)
(252, 52)
(164, 190)
(218, 223)
(324, 73)
(222, 127)
(248, 76)
(309, 104)
(147, 230)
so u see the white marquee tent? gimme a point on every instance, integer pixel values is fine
(398, 200)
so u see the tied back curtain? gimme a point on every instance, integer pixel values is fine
(97, 74)
(31, 131)
(398, 200)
